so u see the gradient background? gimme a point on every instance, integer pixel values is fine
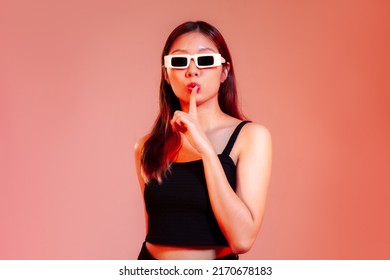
(79, 84)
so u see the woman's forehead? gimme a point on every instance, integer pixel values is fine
(193, 42)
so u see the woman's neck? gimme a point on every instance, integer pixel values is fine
(209, 114)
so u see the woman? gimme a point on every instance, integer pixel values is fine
(204, 172)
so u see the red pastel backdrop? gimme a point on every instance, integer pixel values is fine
(79, 84)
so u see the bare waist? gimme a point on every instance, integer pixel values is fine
(167, 252)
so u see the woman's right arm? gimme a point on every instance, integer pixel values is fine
(137, 156)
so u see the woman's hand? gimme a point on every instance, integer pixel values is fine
(187, 124)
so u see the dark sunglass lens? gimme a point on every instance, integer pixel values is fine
(179, 61)
(206, 60)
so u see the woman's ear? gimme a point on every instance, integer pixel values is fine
(225, 72)
(166, 75)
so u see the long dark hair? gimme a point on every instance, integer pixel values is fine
(162, 146)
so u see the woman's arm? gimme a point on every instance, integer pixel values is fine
(240, 213)
(137, 157)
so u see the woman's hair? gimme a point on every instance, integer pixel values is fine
(162, 146)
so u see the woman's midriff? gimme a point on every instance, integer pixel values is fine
(163, 252)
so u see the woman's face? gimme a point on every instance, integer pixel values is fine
(207, 79)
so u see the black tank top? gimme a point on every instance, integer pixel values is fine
(179, 208)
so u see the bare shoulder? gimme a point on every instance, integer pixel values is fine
(254, 131)
(255, 138)
(138, 147)
(140, 144)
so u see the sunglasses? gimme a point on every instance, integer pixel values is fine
(182, 61)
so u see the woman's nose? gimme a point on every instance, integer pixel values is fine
(192, 69)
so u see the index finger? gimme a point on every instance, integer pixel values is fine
(192, 111)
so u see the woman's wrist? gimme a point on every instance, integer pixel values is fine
(208, 154)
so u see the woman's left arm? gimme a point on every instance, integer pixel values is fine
(239, 214)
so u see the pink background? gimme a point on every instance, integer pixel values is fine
(79, 84)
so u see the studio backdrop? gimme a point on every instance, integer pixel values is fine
(79, 85)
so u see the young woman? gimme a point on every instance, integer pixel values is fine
(203, 171)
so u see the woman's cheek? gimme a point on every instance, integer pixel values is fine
(214, 87)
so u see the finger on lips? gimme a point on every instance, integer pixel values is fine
(177, 120)
(192, 109)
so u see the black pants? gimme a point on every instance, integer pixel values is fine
(145, 255)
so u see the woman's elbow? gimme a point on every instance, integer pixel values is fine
(242, 246)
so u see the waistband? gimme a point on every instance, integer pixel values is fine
(144, 254)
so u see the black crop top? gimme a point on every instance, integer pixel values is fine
(179, 209)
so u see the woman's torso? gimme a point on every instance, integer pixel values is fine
(219, 138)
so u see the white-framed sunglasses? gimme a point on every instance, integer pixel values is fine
(182, 61)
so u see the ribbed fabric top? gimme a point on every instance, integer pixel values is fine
(179, 209)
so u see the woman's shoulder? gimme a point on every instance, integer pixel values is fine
(250, 131)
(254, 134)
(140, 143)
(254, 128)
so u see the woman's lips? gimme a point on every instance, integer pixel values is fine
(191, 86)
